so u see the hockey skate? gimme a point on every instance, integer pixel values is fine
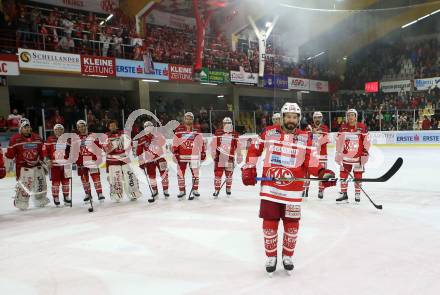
(67, 201)
(153, 196)
(271, 265)
(228, 192)
(357, 197)
(181, 194)
(305, 193)
(166, 194)
(196, 193)
(56, 201)
(87, 199)
(343, 198)
(101, 198)
(320, 195)
(215, 194)
(287, 263)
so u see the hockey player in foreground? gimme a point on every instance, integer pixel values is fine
(121, 176)
(88, 160)
(319, 132)
(188, 148)
(26, 148)
(56, 155)
(289, 154)
(352, 146)
(225, 146)
(151, 151)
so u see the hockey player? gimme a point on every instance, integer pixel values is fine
(352, 146)
(319, 132)
(289, 154)
(188, 148)
(26, 148)
(88, 161)
(56, 155)
(276, 119)
(2, 164)
(151, 150)
(225, 148)
(120, 174)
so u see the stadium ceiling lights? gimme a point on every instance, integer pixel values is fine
(419, 19)
(220, 96)
(210, 84)
(150, 81)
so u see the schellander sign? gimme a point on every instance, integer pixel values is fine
(38, 60)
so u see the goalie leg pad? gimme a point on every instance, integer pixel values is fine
(131, 182)
(115, 178)
(40, 187)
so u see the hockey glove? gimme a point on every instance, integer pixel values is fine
(249, 174)
(326, 173)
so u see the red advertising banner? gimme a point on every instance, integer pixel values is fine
(98, 66)
(180, 73)
(372, 87)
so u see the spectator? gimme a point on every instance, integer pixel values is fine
(426, 124)
(57, 118)
(66, 44)
(14, 120)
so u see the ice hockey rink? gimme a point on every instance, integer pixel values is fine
(211, 246)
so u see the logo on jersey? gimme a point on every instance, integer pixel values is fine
(280, 172)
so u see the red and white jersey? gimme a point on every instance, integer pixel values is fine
(352, 142)
(320, 138)
(151, 147)
(224, 145)
(27, 151)
(89, 150)
(57, 152)
(287, 155)
(188, 143)
(117, 146)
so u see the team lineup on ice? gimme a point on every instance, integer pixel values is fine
(216, 228)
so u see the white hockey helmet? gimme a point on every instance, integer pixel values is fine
(291, 107)
(189, 114)
(24, 122)
(148, 124)
(276, 116)
(227, 120)
(81, 122)
(58, 126)
(351, 111)
(317, 114)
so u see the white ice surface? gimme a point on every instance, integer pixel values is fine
(211, 246)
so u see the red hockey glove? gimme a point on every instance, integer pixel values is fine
(203, 156)
(2, 172)
(249, 174)
(326, 173)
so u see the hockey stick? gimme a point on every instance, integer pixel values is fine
(149, 186)
(218, 192)
(390, 173)
(379, 207)
(71, 191)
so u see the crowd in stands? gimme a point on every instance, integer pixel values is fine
(399, 60)
(61, 29)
